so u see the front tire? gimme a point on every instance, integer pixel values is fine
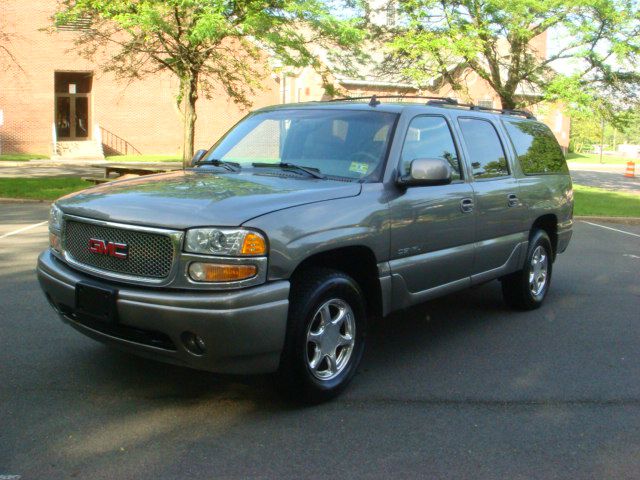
(325, 335)
(526, 289)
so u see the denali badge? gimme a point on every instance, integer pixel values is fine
(112, 249)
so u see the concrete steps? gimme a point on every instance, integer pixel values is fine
(73, 150)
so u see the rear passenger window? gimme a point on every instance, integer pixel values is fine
(486, 152)
(537, 148)
(430, 137)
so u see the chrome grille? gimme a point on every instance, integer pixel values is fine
(151, 255)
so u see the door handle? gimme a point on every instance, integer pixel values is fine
(512, 200)
(466, 205)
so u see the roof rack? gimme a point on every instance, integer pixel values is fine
(505, 111)
(374, 101)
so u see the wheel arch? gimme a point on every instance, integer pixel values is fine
(359, 262)
(548, 223)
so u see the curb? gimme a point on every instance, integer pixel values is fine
(23, 200)
(623, 220)
(40, 164)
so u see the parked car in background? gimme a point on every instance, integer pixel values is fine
(304, 221)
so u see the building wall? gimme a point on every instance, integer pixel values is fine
(142, 112)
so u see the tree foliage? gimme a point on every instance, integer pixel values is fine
(587, 130)
(494, 39)
(209, 44)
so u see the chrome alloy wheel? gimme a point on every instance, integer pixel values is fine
(539, 271)
(330, 339)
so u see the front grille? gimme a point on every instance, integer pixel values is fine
(151, 255)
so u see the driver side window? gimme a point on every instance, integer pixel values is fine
(430, 137)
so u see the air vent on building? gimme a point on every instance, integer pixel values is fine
(78, 24)
(488, 103)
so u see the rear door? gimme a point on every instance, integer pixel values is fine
(500, 212)
(432, 233)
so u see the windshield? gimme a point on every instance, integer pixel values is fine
(343, 143)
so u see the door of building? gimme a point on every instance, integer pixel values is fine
(73, 105)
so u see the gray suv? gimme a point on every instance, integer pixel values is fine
(300, 224)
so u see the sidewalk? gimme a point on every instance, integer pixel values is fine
(607, 176)
(600, 167)
(66, 168)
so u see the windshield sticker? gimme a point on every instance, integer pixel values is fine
(359, 167)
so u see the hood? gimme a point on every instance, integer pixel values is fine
(191, 198)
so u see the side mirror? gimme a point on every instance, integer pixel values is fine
(427, 171)
(199, 155)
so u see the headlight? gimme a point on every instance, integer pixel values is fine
(55, 218)
(225, 242)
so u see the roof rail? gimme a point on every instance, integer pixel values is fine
(506, 111)
(374, 101)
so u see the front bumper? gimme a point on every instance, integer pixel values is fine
(243, 330)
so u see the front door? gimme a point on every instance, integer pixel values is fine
(432, 229)
(72, 105)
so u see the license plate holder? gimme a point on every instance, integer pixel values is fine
(96, 302)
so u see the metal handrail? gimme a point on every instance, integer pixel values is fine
(117, 144)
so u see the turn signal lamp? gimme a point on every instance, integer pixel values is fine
(254, 244)
(216, 272)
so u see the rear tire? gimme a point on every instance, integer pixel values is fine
(526, 289)
(325, 336)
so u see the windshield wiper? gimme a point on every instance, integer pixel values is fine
(314, 172)
(231, 166)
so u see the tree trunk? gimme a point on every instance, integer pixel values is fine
(190, 94)
(507, 100)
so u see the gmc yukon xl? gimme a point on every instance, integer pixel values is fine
(271, 252)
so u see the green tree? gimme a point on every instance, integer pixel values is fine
(493, 38)
(586, 129)
(209, 43)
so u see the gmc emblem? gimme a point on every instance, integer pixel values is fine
(112, 249)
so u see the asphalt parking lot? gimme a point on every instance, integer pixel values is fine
(458, 388)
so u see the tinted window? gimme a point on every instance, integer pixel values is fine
(486, 153)
(344, 143)
(430, 137)
(537, 148)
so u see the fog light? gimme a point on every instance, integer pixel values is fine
(194, 343)
(216, 272)
(54, 242)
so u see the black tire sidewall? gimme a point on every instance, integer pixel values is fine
(304, 304)
(539, 238)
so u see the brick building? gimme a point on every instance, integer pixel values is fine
(49, 88)
(56, 102)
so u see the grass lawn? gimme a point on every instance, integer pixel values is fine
(144, 158)
(21, 157)
(45, 188)
(600, 202)
(595, 158)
